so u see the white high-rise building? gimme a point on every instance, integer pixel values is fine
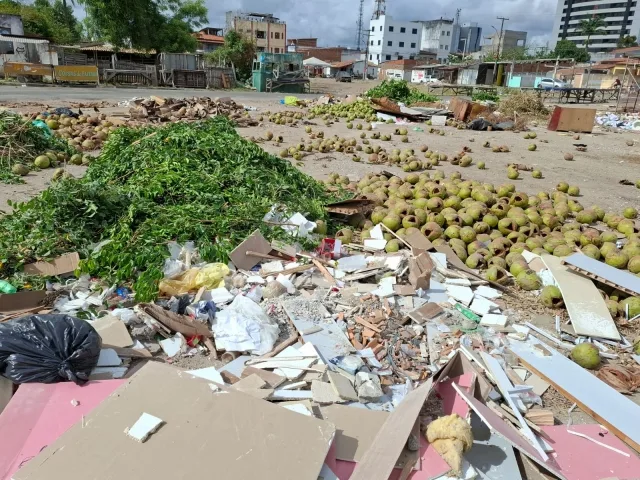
(621, 18)
(391, 39)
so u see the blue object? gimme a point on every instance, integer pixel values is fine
(207, 307)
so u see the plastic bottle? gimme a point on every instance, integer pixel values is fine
(6, 287)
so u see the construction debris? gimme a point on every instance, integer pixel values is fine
(157, 109)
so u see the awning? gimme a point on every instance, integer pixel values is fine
(315, 62)
(19, 39)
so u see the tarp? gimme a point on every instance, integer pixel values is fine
(315, 62)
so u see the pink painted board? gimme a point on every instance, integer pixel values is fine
(451, 401)
(509, 433)
(432, 465)
(580, 458)
(39, 413)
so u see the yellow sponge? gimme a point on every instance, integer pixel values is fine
(451, 436)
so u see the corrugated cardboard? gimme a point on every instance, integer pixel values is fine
(420, 269)
(228, 434)
(11, 303)
(63, 265)
(113, 331)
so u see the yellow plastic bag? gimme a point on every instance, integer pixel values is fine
(289, 100)
(210, 276)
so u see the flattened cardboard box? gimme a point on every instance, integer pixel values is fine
(222, 434)
(11, 303)
(62, 265)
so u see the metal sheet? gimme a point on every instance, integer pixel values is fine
(17, 39)
(76, 73)
(618, 277)
(15, 69)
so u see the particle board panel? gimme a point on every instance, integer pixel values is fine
(588, 311)
(596, 398)
(223, 428)
(620, 279)
(571, 119)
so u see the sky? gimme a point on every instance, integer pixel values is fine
(334, 22)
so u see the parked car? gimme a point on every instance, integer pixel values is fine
(550, 83)
(430, 80)
(343, 76)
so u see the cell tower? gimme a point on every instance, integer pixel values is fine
(360, 26)
(379, 10)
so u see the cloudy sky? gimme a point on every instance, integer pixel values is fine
(334, 21)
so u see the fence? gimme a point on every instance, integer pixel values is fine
(220, 77)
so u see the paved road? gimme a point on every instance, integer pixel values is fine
(10, 93)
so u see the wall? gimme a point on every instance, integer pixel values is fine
(30, 53)
(470, 38)
(358, 68)
(270, 37)
(394, 73)
(380, 29)
(13, 23)
(467, 76)
(351, 55)
(333, 54)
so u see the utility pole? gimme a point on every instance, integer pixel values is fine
(495, 65)
(365, 69)
(359, 32)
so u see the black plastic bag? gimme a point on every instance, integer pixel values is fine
(48, 349)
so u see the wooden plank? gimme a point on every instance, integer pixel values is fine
(617, 412)
(505, 386)
(588, 311)
(379, 460)
(369, 325)
(620, 279)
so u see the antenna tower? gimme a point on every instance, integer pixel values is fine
(360, 26)
(379, 9)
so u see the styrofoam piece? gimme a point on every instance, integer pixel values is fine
(352, 263)
(256, 279)
(463, 295)
(375, 244)
(209, 373)
(272, 267)
(172, 346)
(488, 292)
(493, 320)
(376, 233)
(393, 262)
(144, 427)
(482, 306)
(308, 349)
(220, 295)
(108, 358)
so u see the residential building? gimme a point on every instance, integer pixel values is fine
(16, 47)
(621, 18)
(509, 40)
(209, 39)
(440, 36)
(352, 54)
(269, 32)
(470, 38)
(301, 42)
(327, 54)
(397, 69)
(391, 39)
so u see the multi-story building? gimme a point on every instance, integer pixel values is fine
(621, 18)
(391, 39)
(269, 32)
(209, 39)
(510, 39)
(441, 37)
(470, 38)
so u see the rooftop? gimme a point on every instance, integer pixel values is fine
(206, 38)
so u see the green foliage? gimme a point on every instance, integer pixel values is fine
(628, 41)
(513, 54)
(590, 27)
(568, 49)
(160, 25)
(237, 50)
(188, 181)
(54, 21)
(485, 96)
(400, 91)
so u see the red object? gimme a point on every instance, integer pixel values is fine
(327, 248)
(194, 341)
(451, 401)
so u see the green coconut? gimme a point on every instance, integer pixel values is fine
(321, 227)
(562, 187)
(410, 221)
(475, 261)
(345, 235)
(431, 230)
(631, 249)
(586, 355)
(551, 297)
(612, 305)
(497, 274)
(608, 247)
(536, 174)
(513, 257)
(392, 246)
(452, 231)
(467, 234)
(19, 169)
(634, 306)
(518, 267)
(634, 264)
(591, 251)
(617, 259)
(377, 216)
(481, 166)
(528, 280)
(562, 251)
(42, 161)
(512, 174)
(392, 221)
(626, 226)
(458, 249)
(630, 212)
(585, 216)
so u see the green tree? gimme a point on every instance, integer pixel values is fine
(160, 25)
(628, 41)
(568, 49)
(41, 18)
(237, 50)
(590, 27)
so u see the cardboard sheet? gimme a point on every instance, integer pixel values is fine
(38, 414)
(596, 398)
(225, 430)
(253, 243)
(113, 331)
(588, 311)
(63, 265)
(11, 303)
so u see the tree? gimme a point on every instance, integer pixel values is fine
(590, 27)
(46, 20)
(160, 25)
(568, 49)
(628, 41)
(237, 50)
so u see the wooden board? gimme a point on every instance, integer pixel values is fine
(588, 311)
(571, 119)
(593, 396)
(253, 243)
(252, 438)
(601, 272)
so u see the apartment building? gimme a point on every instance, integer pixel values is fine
(441, 37)
(391, 39)
(269, 32)
(621, 18)
(509, 40)
(470, 38)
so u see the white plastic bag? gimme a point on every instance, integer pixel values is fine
(244, 327)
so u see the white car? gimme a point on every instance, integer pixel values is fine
(550, 83)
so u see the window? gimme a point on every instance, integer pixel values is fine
(520, 43)
(261, 34)
(373, 29)
(413, 45)
(380, 27)
(446, 47)
(277, 35)
(371, 42)
(401, 44)
(379, 42)
(414, 31)
(277, 50)
(388, 57)
(400, 57)
(412, 57)
(389, 43)
(370, 57)
(402, 29)
(390, 28)
(443, 33)
(6, 48)
(448, 34)
(271, 34)
(378, 56)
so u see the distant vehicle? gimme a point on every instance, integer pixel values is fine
(550, 83)
(343, 76)
(430, 80)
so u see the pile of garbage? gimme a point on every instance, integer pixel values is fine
(624, 121)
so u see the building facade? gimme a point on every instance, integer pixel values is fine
(209, 39)
(470, 38)
(441, 37)
(269, 32)
(391, 39)
(621, 18)
(509, 40)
